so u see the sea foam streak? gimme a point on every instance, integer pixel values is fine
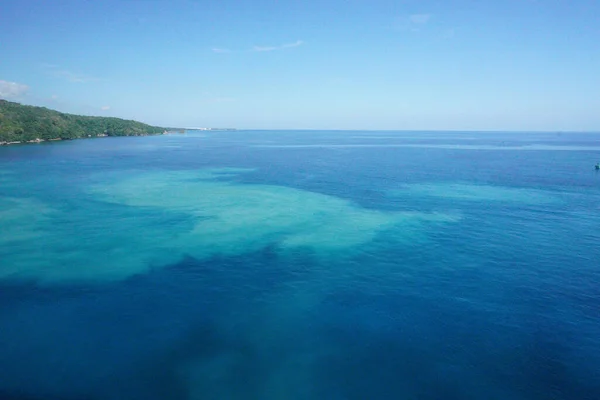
(471, 192)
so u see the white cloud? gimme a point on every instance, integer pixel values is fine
(10, 90)
(67, 75)
(221, 99)
(449, 33)
(104, 108)
(264, 48)
(419, 19)
(413, 22)
(260, 48)
(281, 47)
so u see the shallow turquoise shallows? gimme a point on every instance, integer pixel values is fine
(293, 265)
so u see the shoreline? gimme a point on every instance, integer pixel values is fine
(38, 140)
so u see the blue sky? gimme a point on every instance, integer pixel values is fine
(450, 65)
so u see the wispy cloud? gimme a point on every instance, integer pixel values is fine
(12, 90)
(281, 47)
(222, 50)
(216, 100)
(413, 22)
(221, 99)
(449, 33)
(105, 108)
(419, 19)
(75, 77)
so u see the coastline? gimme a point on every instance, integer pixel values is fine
(38, 140)
(25, 124)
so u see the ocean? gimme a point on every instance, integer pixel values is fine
(301, 265)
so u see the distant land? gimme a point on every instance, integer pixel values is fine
(28, 124)
(210, 129)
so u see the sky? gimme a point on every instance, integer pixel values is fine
(328, 64)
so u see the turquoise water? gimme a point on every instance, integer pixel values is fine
(301, 265)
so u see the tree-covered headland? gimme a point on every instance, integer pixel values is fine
(20, 123)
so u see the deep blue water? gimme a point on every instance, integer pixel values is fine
(301, 265)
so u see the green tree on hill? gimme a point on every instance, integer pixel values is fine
(20, 123)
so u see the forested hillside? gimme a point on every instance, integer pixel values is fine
(20, 123)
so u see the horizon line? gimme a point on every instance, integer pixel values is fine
(407, 130)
